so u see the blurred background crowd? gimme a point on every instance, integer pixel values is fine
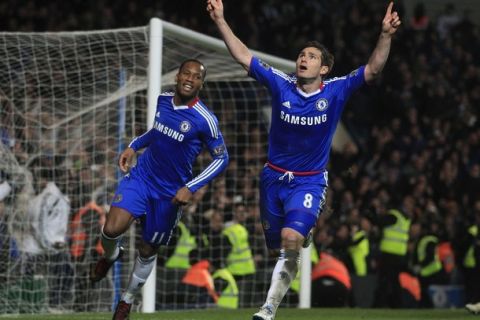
(415, 133)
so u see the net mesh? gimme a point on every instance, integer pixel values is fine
(62, 96)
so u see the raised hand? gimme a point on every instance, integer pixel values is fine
(237, 48)
(391, 21)
(215, 9)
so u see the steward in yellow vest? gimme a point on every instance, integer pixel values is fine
(359, 250)
(229, 296)
(392, 260)
(395, 236)
(427, 252)
(430, 268)
(240, 259)
(469, 260)
(185, 244)
(471, 264)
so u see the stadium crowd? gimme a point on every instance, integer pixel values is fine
(415, 133)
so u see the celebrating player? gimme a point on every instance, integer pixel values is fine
(161, 182)
(305, 111)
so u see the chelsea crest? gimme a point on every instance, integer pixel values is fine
(321, 104)
(185, 126)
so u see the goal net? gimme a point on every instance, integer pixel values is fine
(69, 102)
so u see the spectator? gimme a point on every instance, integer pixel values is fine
(393, 257)
(447, 20)
(45, 246)
(330, 282)
(430, 269)
(420, 19)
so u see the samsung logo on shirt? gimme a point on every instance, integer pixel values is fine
(303, 121)
(168, 131)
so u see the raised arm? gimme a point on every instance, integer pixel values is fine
(379, 56)
(237, 48)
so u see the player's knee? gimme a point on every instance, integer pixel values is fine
(117, 222)
(146, 250)
(109, 231)
(292, 257)
(291, 239)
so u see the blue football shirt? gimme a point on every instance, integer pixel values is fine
(303, 125)
(178, 136)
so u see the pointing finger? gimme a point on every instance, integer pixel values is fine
(389, 9)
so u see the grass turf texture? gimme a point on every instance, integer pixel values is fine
(283, 314)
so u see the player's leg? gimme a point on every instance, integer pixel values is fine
(118, 221)
(142, 268)
(272, 221)
(157, 227)
(284, 271)
(302, 206)
(128, 204)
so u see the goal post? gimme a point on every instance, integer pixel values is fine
(154, 89)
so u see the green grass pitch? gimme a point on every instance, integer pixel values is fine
(283, 314)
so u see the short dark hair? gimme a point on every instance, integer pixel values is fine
(204, 73)
(327, 57)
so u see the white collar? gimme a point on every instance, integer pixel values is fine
(306, 95)
(180, 107)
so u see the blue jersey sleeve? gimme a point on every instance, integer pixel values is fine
(268, 76)
(352, 82)
(213, 139)
(142, 141)
(145, 139)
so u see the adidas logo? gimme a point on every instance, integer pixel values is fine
(286, 104)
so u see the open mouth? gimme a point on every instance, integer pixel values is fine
(302, 68)
(187, 87)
